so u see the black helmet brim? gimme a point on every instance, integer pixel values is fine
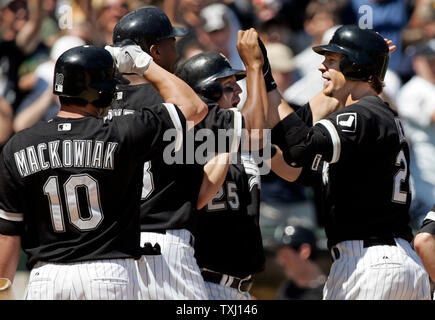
(239, 74)
(176, 32)
(330, 48)
(179, 32)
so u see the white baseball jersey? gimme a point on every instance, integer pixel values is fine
(376, 273)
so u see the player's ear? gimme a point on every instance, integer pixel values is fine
(155, 51)
(305, 251)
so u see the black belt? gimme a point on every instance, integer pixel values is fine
(163, 231)
(378, 241)
(243, 285)
(368, 242)
(149, 250)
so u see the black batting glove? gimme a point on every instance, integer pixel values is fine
(267, 70)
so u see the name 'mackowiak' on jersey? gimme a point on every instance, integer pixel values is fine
(71, 187)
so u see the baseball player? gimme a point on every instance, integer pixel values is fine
(360, 158)
(227, 265)
(171, 190)
(70, 187)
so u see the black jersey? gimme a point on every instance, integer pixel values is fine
(360, 158)
(170, 189)
(228, 237)
(71, 187)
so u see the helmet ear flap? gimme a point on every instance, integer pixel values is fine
(105, 99)
(212, 90)
(353, 70)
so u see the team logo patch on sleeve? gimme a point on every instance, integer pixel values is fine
(347, 122)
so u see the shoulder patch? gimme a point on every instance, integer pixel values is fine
(347, 121)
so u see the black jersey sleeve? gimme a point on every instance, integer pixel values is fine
(331, 139)
(11, 216)
(306, 117)
(428, 224)
(225, 125)
(156, 127)
(304, 112)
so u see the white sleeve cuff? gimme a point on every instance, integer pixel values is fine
(177, 124)
(336, 143)
(17, 217)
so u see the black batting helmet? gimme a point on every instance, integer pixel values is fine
(366, 54)
(146, 26)
(202, 70)
(86, 72)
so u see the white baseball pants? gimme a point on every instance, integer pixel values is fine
(173, 275)
(112, 279)
(376, 273)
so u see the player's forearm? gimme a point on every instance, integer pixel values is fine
(176, 91)
(282, 169)
(34, 112)
(6, 116)
(424, 244)
(215, 172)
(9, 255)
(255, 108)
(278, 108)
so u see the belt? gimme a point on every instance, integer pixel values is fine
(379, 241)
(149, 250)
(243, 285)
(368, 242)
(163, 231)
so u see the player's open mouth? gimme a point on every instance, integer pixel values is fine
(235, 103)
(326, 81)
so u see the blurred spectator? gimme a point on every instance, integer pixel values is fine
(290, 12)
(40, 103)
(245, 12)
(190, 48)
(20, 28)
(393, 84)
(416, 106)
(267, 9)
(185, 12)
(6, 116)
(276, 31)
(296, 254)
(388, 17)
(281, 61)
(421, 27)
(320, 16)
(107, 16)
(220, 26)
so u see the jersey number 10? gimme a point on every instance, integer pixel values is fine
(70, 187)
